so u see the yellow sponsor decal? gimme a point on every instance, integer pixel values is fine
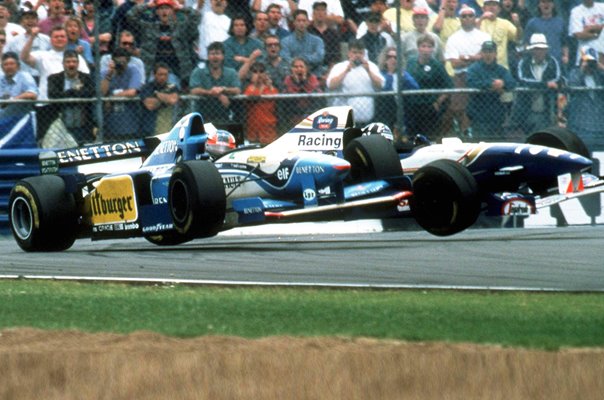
(113, 201)
(256, 159)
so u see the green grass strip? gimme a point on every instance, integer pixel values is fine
(536, 320)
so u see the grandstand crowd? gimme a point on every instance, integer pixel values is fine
(153, 61)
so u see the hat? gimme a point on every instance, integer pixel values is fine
(589, 54)
(26, 13)
(489, 45)
(420, 11)
(160, 3)
(375, 17)
(538, 41)
(491, 1)
(465, 9)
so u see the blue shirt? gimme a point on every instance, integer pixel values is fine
(22, 82)
(309, 47)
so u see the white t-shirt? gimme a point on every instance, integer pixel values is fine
(463, 43)
(213, 28)
(580, 16)
(41, 42)
(357, 80)
(286, 12)
(51, 62)
(13, 30)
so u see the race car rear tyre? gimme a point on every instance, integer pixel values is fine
(43, 216)
(371, 157)
(559, 138)
(196, 199)
(445, 198)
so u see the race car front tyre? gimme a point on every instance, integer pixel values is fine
(445, 198)
(196, 199)
(372, 157)
(43, 216)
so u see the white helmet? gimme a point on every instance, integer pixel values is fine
(378, 128)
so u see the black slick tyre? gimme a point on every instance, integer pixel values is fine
(43, 217)
(196, 199)
(445, 198)
(559, 138)
(372, 157)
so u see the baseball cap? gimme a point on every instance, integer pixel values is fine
(420, 11)
(589, 54)
(538, 41)
(491, 1)
(465, 9)
(489, 45)
(160, 3)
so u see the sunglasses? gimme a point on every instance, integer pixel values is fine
(466, 16)
(272, 45)
(127, 43)
(391, 56)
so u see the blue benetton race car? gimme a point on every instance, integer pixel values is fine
(323, 169)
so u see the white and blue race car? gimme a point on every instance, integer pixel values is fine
(323, 169)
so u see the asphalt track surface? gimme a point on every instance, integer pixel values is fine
(567, 259)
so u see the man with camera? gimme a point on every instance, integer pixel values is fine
(356, 75)
(585, 111)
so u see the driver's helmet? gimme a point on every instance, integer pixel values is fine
(219, 142)
(378, 128)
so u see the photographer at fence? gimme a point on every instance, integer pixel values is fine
(71, 83)
(356, 75)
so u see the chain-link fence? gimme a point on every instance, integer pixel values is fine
(507, 117)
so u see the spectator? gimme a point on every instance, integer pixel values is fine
(89, 19)
(406, 21)
(485, 109)
(159, 99)
(73, 28)
(424, 112)
(585, 25)
(239, 46)
(462, 50)
(331, 38)
(127, 43)
(385, 28)
(409, 40)
(10, 28)
(120, 80)
(302, 44)
(214, 27)
(300, 80)
(71, 83)
(538, 70)
(386, 106)
(261, 121)
(446, 22)
(15, 85)
(119, 22)
(47, 62)
(553, 27)
(274, 19)
(355, 13)
(215, 84)
(517, 14)
(29, 20)
(335, 13)
(56, 16)
(356, 75)
(586, 108)
(287, 7)
(373, 40)
(167, 33)
(501, 30)
(473, 4)
(276, 66)
(260, 30)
